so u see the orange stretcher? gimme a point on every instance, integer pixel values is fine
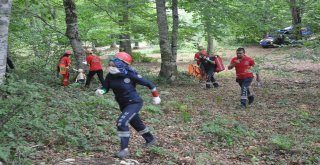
(195, 71)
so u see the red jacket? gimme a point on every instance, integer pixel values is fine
(94, 62)
(243, 68)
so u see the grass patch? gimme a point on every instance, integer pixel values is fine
(225, 130)
(281, 142)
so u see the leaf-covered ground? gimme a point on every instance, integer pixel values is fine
(195, 125)
(201, 126)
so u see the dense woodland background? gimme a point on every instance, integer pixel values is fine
(44, 123)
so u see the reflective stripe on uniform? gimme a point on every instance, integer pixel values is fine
(146, 130)
(243, 97)
(123, 133)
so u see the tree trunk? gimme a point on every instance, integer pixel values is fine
(73, 32)
(136, 44)
(168, 68)
(210, 43)
(175, 26)
(125, 42)
(5, 9)
(296, 19)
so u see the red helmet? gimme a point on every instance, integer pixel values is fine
(68, 52)
(125, 57)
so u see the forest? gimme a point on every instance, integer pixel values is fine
(44, 120)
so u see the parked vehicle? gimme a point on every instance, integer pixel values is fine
(273, 39)
(283, 37)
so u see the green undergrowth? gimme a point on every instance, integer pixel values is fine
(34, 114)
(224, 131)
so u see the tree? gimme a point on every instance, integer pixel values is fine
(5, 9)
(168, 68)
(125, 42)
(73, 32)
(296, 18)
(175, 27)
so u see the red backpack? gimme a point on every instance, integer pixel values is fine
(219, 63)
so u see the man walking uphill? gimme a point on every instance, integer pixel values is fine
(95, 65)
(244, 76)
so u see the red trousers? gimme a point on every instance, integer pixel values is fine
(65, 79)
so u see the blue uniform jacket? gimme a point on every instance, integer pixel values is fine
(124, 86)
(208, 65)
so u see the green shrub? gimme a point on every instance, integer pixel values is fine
(226, 130)
(33, 113)
(153, 109)
(282, 142)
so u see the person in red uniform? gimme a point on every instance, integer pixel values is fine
(95, 65)
(63, 67)
(244, 76)
(199, 57)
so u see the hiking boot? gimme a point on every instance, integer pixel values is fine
(123, 153)
(216, 85)
(152, 143)
(251, 99)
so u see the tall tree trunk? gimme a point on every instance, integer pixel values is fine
(175, 26)
(296, 19)
(210, 43)
(5, 9)
(136, 44)
(168, 68)
(73, 32)
(125, 42)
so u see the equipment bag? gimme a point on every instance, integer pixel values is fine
(219, 63)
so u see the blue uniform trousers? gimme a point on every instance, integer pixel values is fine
(130, 114)
(245, 90)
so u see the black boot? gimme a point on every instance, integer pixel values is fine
(250, 99)
(215, 84)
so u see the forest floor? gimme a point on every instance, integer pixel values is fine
(205, 126)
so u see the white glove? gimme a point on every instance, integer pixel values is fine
(100, 92)
(156, 100)
(208, 58)
(85, 62)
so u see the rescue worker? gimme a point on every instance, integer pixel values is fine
(122, 79)
(95, 65)
(63, 67)
(209, 66)
(198, 57)
(244, 76)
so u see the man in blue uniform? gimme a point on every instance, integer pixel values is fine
(209, 66)
(122, 79)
